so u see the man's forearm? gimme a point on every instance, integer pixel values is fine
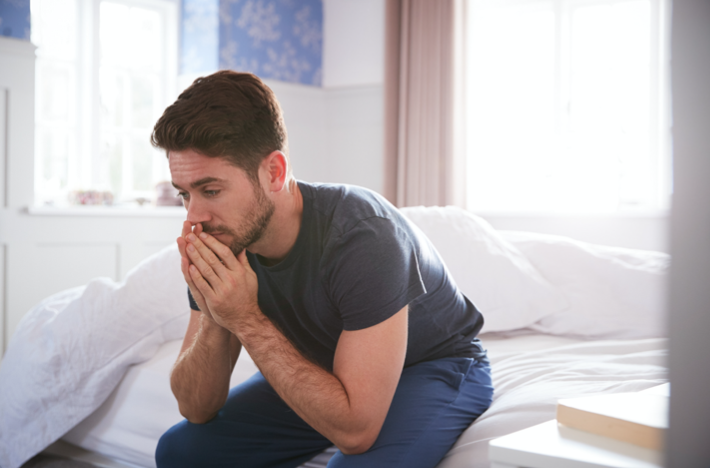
(315, 394)
(200, 377)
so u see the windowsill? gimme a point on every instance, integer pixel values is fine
(112, 211)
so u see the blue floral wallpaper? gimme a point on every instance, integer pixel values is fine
(15, 19)
(277, 39)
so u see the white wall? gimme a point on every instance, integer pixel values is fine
(353, 42)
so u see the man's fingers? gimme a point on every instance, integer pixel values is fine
(242, 257)
(200, 284)
(222, 251)
(205, 260)
(186, 228)
(181, 247)
(196, 294)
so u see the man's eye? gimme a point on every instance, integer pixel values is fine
(183, 195)
(211, 193)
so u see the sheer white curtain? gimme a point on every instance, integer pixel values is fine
(424, 154)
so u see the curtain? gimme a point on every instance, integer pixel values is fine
(424, 157)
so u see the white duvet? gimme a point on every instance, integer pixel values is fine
(71, 351)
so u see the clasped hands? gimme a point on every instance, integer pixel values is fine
(224, 286)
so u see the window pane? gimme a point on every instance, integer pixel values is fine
(55, 91)
(144, 94)
(511, 92)
(112, 89)
(54, 27)
(143, 166)
(145, 44)
(112, 164)
(560, 106)
(114, 33)
(609, 140)
(53, 147)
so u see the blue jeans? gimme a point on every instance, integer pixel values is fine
(434, 403)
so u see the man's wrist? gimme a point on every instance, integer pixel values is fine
(210, 328)
(252, 325)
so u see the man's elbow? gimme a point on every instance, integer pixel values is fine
(355, 444)
(196, 417)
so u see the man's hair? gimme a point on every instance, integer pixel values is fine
(230, 115)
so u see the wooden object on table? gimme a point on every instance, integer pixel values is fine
(637, 418)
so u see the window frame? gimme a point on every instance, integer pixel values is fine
(84, 159)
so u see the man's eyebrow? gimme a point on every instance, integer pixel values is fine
(200, 182)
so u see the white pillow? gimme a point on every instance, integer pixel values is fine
(613, 292)
(490, 271)
(73, 348)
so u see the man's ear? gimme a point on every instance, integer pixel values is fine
(275, 168)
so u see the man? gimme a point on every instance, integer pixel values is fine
(361, 337)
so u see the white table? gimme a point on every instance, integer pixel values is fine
(549, 445)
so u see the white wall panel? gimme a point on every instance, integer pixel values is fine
(17, 64)
(355, 136)
(353, 42)
(40, 270)
(305, 115)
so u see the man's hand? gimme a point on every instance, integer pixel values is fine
(227, 284)
(185, 264)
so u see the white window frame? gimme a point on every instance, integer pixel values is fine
(85, 156)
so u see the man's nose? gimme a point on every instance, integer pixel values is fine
(196, 212)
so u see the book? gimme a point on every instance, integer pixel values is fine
(637, 418)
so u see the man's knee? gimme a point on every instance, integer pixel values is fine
(179, 447)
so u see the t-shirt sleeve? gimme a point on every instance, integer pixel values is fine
(372, 272)
(193, 304)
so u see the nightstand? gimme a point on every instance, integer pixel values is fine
(549, 445)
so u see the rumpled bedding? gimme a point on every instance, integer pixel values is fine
(72, 349)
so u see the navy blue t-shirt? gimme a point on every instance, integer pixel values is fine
(356, 262)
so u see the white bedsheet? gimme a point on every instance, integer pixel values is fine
(530, 371)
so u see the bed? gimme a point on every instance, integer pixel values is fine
(564, 318)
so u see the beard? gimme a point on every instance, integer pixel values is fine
(253, 226)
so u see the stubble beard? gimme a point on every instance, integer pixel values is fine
(254, 225)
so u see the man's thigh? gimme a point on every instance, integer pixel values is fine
(434, 403)
(255, 428)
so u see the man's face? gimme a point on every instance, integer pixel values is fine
(231, 206)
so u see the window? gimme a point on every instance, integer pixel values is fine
(105, 71)
(567, 106)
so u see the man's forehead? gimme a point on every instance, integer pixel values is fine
(204, 181)
(191, 169)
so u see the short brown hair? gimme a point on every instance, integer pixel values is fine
(227, 114)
